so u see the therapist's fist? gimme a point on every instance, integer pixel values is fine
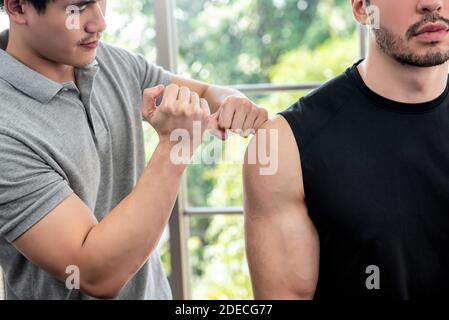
(179, 109)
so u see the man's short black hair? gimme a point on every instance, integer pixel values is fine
(40, 5)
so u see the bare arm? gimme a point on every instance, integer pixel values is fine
(232, 110)
(109, 253)
(215, 95)
(281, 240)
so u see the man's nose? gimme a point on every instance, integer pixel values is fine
(97, 22)
(429, 6)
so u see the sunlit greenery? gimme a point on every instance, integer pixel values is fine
(236, 42)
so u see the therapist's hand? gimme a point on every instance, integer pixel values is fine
(179, 109)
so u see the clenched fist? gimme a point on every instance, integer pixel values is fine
(239, 115)
(180, 109)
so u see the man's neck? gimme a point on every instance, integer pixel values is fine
(57, 72)
(398, 82)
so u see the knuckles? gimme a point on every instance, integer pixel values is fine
(173, 87)
(242, 103)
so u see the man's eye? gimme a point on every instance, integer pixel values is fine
(74, 9)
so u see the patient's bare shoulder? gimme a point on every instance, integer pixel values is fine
(272, 163)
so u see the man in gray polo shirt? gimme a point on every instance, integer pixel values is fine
(76, 197)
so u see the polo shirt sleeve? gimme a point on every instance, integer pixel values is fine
(29, 188)
(150, 74)
(135, 65)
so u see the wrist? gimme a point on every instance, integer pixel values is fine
(176, 157)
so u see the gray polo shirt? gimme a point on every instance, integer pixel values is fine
(56, 140)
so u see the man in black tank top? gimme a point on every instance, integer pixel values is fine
(359, 204)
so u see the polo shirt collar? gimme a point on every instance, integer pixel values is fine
(29, 81)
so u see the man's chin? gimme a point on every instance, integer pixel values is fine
(424, 61)
(85, 61)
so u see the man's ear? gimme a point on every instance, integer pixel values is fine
(360, 12)
(16, 10)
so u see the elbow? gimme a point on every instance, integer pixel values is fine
(285, 295)
(102, 291)
(101, 286)
(99, 280)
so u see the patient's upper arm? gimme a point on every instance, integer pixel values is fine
(282, 242)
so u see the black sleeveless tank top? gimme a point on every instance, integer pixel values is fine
(376, 181)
